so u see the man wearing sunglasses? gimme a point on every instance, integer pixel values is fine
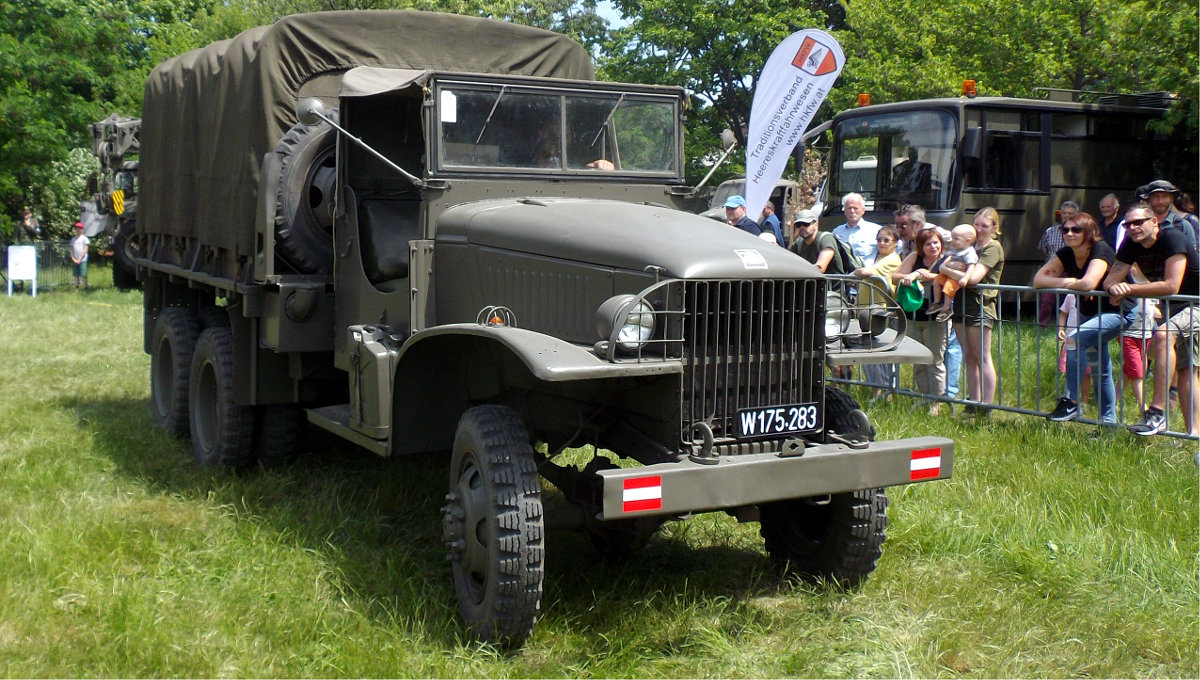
(1172, 267)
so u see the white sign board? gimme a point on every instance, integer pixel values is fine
(22, 266)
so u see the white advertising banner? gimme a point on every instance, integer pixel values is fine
(798, 75)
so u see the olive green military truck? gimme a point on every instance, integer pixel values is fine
(435, 233)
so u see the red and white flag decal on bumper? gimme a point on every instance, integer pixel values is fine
(925, 464)
(642, 493)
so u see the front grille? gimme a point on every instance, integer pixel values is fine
(749, 344)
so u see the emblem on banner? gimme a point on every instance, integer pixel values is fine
(815, 58)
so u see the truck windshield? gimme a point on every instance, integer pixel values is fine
(896, 158)
(545, 130)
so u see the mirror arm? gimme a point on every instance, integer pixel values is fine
(420, 184)
(713, 169)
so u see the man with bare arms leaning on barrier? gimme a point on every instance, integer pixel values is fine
(1173, 267)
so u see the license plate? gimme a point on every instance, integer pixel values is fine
(771, 421)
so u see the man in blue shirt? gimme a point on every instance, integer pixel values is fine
(858, 233)
(735, 213)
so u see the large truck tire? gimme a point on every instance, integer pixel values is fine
(124, 269)
(836, 538)
(171, 349)
(222, 429)
(304, 211)
(493, 526)
(277, 434)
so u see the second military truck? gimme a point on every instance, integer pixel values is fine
(427, 232)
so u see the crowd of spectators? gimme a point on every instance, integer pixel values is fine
(1103, 281)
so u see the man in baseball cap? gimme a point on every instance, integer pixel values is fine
(735, 214)
(1160, 194)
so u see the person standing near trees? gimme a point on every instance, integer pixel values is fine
(29, 226)
(79, 256)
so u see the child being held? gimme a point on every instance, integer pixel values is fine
(962, 257)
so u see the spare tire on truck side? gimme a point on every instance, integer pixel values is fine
(304, 216)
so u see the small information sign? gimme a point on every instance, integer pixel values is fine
(22, 266)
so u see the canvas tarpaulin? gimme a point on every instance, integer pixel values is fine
(209, 115)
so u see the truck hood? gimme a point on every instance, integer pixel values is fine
(620, 235)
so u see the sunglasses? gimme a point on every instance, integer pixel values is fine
(1138, 223)
(1071, 230)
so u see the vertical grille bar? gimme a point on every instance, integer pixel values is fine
(749, 344)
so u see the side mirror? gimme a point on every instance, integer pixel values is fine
(972, 143)
(310, 111)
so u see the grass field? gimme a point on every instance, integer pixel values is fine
(1054, 551)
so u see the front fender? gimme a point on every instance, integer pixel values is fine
(546, 357)
(442, 371)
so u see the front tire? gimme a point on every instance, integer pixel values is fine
(172, 346)
(837, 538)
(222, 429)
(493, 526)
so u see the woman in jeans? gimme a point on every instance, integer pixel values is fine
(931, 379)
(1082, 265)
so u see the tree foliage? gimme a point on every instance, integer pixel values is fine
(67, 63)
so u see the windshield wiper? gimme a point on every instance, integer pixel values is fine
(491, 113)
(606, 119)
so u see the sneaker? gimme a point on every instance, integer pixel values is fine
(944, 315)
(1152, 423)
(1066, 410)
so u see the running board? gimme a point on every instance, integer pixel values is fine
(336, 419)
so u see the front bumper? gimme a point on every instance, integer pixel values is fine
(676, 488)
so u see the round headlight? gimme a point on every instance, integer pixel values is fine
(638, 327)
(632, 319)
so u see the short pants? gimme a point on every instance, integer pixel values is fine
(80, 269)
(1133, 357)
(1185, 326)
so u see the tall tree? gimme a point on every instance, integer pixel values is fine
(63, 65)
(714, 49)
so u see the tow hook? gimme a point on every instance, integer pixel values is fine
(704, 455)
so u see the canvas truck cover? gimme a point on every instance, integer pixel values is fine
(210, 114)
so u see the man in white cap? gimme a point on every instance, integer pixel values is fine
(735, 213)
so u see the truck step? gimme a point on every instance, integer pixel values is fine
(336, 419)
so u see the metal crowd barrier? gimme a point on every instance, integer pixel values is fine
(1026, 358)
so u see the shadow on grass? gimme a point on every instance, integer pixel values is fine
(378, 522)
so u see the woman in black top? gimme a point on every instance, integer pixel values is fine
(1082, 265)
